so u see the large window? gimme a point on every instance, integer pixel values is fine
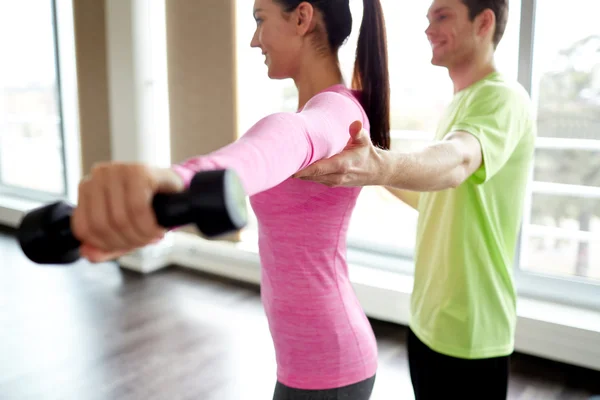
(560, 67)
(419, 92)
(562, 236)
(32, 158)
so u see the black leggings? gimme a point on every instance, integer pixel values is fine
(437, 376)
(358, 391)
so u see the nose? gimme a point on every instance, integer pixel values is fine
(255, 42)
(429, 31)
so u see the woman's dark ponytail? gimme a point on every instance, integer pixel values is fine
(371, 75)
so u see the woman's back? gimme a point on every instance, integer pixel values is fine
(321, 335)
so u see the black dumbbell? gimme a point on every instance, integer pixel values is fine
(215, 203)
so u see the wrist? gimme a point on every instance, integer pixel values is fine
(384, 161)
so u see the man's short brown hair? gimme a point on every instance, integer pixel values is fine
(500, 9)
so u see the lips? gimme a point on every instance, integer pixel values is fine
(437, 45)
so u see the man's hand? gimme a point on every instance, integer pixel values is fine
(359, 164)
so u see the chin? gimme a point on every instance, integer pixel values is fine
(438, 61)
(276, 75)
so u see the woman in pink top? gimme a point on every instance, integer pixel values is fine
(325, 348)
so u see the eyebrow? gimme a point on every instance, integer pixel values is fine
(439, 10)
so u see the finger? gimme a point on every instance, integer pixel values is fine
(332, 180)
(124, 234)
(96, 255)
(139, 206)
(333, 165)
(313, 170)
(167, 180)
(82, 224)
(361, 138)
(78, 225)
(103, 234)
(98, 205)
(355, 129)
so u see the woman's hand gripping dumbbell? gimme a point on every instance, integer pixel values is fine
(126, 206)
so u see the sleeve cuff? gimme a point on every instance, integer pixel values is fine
(480, 175)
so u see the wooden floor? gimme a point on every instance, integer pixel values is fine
(97, 333)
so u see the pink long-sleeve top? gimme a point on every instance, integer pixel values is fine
(322, 337)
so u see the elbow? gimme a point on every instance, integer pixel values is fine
(465, 166)
(457, 177)
(460, 173)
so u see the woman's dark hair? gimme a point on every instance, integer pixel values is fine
(371, 76)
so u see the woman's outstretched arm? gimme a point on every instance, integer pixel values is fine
(281, 144)
(114, 213)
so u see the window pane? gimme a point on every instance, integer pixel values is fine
(563, 236)
(383, 223)
(564, 115)
(30, 133)
(26, 142)
(568, 166)
(566, 68)
(569, 213)
(562, 256)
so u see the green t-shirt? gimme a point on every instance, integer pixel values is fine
(464, 299)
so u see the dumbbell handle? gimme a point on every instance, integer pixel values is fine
(171, 210)
(215, 202)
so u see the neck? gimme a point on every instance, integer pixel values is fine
(472, 70)
(316, 75)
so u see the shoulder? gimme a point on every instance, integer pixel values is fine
(498, 96)
(337, 96)
(499, 103)
(339, 102)
(499, 89)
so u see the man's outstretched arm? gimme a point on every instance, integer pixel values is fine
(443, 165)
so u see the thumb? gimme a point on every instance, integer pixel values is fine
(168, 180)
(358, 135)
(95, 255)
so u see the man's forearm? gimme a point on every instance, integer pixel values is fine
(440, 166)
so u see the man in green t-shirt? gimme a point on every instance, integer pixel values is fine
(469, 188)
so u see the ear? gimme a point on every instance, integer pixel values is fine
(305, 18)
(485, 23)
